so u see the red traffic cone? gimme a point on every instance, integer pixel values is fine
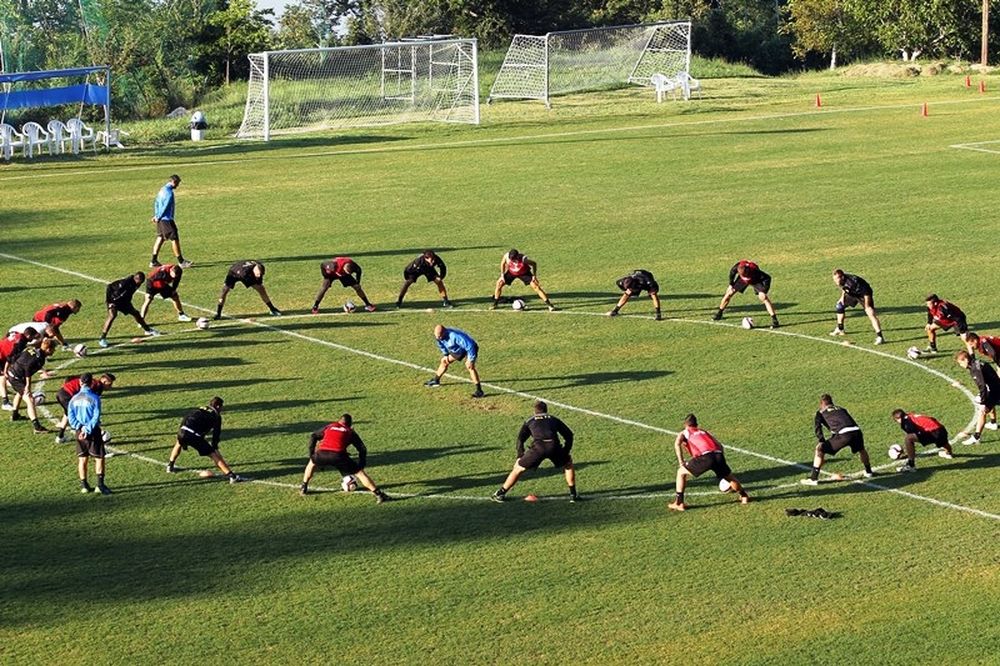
(923, 110)
(968, 81)
(982, 86)
(819, 101)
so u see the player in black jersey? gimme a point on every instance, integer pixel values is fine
(18, 376)
(988, 383)
(544, 431)
(634, 284)
(194, 432)
(430, 266)
(844, 432)
(118, 297)
(251, 274)
(855, 290)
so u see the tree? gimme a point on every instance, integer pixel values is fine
(296, 29)
(242, 30)
(914, 27)
(823, 26)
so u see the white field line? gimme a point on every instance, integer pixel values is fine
(589, 412)
(487, 141)
(977, 147)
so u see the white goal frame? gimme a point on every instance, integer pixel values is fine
(412, 80)
(541, 66)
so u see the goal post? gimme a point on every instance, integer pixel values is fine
(360, 86)
(538, 67)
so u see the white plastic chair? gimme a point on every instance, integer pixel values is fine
(34, 136)
(112, 138)
(58, 137)
(79, 135)
(663, 84)
(688, 85)
(10, 139)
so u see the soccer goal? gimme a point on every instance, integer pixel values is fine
(423, 79)
(538, 67)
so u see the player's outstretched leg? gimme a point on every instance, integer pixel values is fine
(366, 481)
(497, 292)
(724, 303)
(737, 487)
(569, 472)
(442, 292)
(323, 288)
(681, 484)
(501, 494)
(813, 478)
(402, 292)
(364, 298)
(542, 295)
(262, 292)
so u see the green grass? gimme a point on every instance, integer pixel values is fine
(185, 570)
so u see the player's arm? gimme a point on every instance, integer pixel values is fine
(53, 332)
(733, 272)
(990, 350)
(566, 434)
(818, 424)
(159, 206)
(314, 439)
(522, 437)
(443, 346)
(92, 417)
(442, 269)
(503, 265)
(532, 266)
(356, 272)
(930, 317)
(679, 448)
(217, 431)
(362, 450)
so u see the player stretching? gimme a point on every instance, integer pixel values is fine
(984, 345)
(988, 383)
(844, 431)
(118, 298)
(84, 412)
(430, 266)
(163, 282)
(71, 387)
(855, 290)
(194, 432)
(166, 228)
(516, 266)
(544, 431)
(706, 454)
(943, 316)
(633, 284)
(54, 316)
(10, 349)
(456, 345)
(924, 429)
(328, 448)
(19, 374)
(745, 274)
(251, 274)
(348, 273)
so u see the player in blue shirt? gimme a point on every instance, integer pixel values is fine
(456, 345)
(166, 228)
(84, 414)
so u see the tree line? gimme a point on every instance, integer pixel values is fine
(170, 52)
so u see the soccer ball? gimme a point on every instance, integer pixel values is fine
(349, 306)
(105, 436)
(203, 323)
(39, 397)
(913, 353)
(518, 304)
(349, 484)
(895, 452)
(747, 323)
(724, 486)
(206, 474)
(80, 350)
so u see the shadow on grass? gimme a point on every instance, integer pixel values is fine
(396, 252)
(582, 379)
(485, 481)
(209, 386)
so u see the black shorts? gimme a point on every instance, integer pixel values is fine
(196, 442)
(167, 230)
(508, 278)
(855, 440)
(91, 445)
(715, 461)
(341, 461)
(248, 281)
(633, 288)
(937, 437)
(346, 280)
(852, 301)
(63, 399)
(539, 451)
(17, 383)
(413, 276)
(961, 327)
(123, 307)
(761, 287)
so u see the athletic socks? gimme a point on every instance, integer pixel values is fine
(100, 479)
(170, 467)
(868, 470)
(814, 475)
(572, 491)
(840, 327)
(718, 315)
(85, 487)
(658, 315)
(614, 311)
(218, 311)
(774, 321)
(679, 498)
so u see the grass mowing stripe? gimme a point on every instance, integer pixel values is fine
(611, 417)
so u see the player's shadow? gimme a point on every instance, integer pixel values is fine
(4, 290)
(756, 307)
(210, 387)
(423, 454)
(396, 252)
(492, 480)
(583, 379)
(264, 470)
(327, 323)
(184, 364)
(301, 428)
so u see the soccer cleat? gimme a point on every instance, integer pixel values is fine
(7, 407)
(275, 312)
(85, 488)
(837, 332)
(774, 323)
(573, 499)
(445, 303)
(154, 264)
(381, 497)
(186, 264)
(717, 316)
(218, 316)
(907, 468)
(369, 308)
(945, 454)
(553, 308)
(745, 499)
(16, 416)
(931, 349)
(867, 474)
(478, 393)
(432, 383)
(499, 496)
(39, 429)
(809, 482)
(658, 317)
(103, 489)
(236, 478)
(60, 439)
(992, 425)
(183, 317)
(494, 306)
(677, 506)
(314, 311)
(879, 340)
(971, 440)
(103, 343)
(152, 332)
(613, 313)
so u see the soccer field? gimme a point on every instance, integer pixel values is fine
(175, 568)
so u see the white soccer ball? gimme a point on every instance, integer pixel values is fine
(80, 350)
(895, 452)
(349, 484)
(39, 397)
(724, 486)
(747, 323)
(349, 306)
(913, 353)
(105, 436)
(518, 304)
(203, 323)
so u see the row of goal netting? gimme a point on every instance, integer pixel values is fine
(538, 67)
(423, 79)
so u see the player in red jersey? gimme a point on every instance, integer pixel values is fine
(706, 454)
(346, 271)
(163, 281)
(986, 346)
(328, 448)
(54, 316)
(745, 274)
(516, 266)
(924, 429)
(71, 387)
(943, 316)
(10, 348)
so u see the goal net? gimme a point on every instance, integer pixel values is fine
(357, 86)
(537, 67)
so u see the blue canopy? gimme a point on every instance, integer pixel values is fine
(84, 93)
(15, 77)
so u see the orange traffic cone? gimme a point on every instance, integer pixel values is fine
(982, 86)
(968, 81)
(819, 101)
(923, 110)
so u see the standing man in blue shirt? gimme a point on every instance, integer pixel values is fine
(84, 413)
(456, 345)
(166, 228)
